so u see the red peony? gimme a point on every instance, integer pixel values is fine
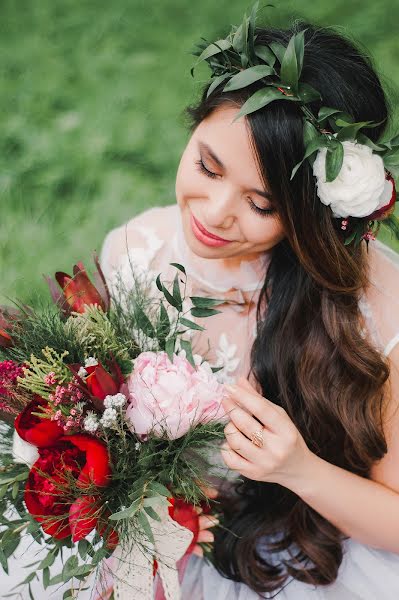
(385, 211)
(185, 514)
(38, 431)
(49, 495)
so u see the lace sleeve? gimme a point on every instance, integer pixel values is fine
(382, 296)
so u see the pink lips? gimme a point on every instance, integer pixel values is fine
(205, 236)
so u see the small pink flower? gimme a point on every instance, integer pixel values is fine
(168, 398)
(50, 379)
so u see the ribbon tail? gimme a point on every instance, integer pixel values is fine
(134, 569)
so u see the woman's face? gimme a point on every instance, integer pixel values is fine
(219, 189)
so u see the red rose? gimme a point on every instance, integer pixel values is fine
(48, 494)
(185, 514)
(38, 431)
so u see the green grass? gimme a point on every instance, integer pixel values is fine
(90, 109)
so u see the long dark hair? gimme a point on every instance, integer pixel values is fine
(310, 354)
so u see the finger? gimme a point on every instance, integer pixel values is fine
(242, 420)
(210, 492)
(241, 444)
(207, 521)
(198, 551)
(206, 536)
(233, 460)
(264, 410)
(245, 383)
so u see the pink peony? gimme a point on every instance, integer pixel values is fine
(168, 398)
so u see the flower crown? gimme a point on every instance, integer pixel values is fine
(354, 175)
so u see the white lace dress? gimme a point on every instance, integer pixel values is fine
(148, 243)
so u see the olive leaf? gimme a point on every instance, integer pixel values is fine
(247, 77)
(307, 93)
(214, 48)
(278, 49)
(260, 99)
(217, 81)
(265, 54)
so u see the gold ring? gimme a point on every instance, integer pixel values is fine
(257, 438)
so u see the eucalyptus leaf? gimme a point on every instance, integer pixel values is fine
(186, 345)
(69, 567)
(126, 513)
(247, 77)
(334, 160)
(46, 577)
(47, 561)
(260, 99)
(159, 488)
(145, 525)
(152, 513)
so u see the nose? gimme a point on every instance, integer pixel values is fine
(221, 208)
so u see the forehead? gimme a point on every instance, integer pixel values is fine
(230, 142)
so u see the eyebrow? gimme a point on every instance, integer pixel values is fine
(207, 149)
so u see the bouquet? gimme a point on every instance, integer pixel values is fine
(107, 422)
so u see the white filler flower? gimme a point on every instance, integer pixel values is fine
(360, 188)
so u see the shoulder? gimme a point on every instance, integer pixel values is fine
(144, 235)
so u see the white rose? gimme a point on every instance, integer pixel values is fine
(360, 187)
(23, 452)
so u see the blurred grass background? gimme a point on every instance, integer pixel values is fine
(90, 109)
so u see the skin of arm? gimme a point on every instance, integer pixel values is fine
(366, 510)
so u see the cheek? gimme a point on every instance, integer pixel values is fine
(262, 231)
(188, 180)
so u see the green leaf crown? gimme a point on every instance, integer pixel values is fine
(239, 61)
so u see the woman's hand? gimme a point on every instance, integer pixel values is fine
(284, 455)
(206, 522)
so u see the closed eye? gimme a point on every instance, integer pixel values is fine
(263, 212)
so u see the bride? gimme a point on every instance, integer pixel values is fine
(312, 321)
(308, 333)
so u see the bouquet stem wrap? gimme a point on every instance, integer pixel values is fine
(134, 566)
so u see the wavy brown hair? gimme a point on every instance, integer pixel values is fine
(310, 355)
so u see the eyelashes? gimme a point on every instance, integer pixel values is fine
(263, 212)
